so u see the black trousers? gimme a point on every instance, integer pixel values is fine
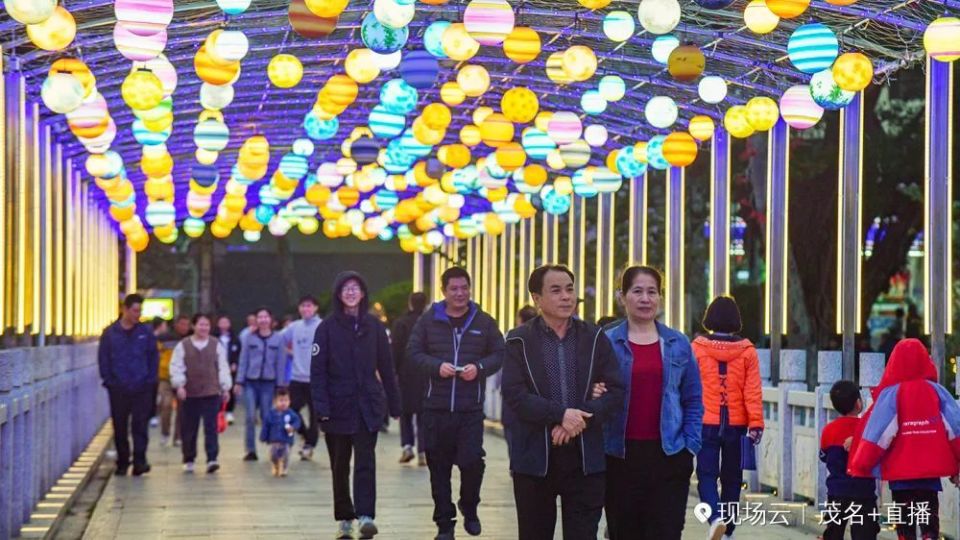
(362, 446)
(130, 412)
(863, 527)
(193, 410)
(912, 501)
(300, 398)
(581, 498)
(454, 438)
(647, 492)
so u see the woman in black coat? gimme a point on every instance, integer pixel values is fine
(413, 384)
(353, 383)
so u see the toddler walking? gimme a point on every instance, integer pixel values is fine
(278, 431)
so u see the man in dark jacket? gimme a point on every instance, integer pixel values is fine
(555, 428)
(458, 346)
(413, 384)
(129, 361)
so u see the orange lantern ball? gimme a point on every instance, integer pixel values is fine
(680, 149)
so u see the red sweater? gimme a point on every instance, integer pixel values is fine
(646, 391)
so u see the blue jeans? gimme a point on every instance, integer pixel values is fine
(256, 394)
(719, 459)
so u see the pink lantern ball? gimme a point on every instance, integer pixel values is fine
(90, 113)
(144, 17)
(564, 127)
(798, 108)
(137, 47)
(489, 21)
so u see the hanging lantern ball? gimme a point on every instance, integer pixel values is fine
(576, 154)
(662, 47)
(736, 123)
(853, 71)
(813, 47)
(714, 4)
(135, 47)
(628, 165)
(393, 14)
(211, 135)
(470, 135)
(144, 17)
(473, 79)
(537, 143)
(680, 149)
(55, 32)
(579, 62)
(285, 70)
(458, 44)
(234, 7)
(594, 4)
(452, 94)
(798, 108)
(596, 135)
(827, 94)
(661, 111)
(612, 87)
(686, 63)
(701, 127)
(386, 124)
(380, 38)
(425, 134)
(655, 153)
(522, 45)
(619, 26)
(141, 90)
(419, 69)
(308, 25)
(510, 156)
(496, 130)
(542, 121)
(62, 93)
(712, 89)
(212, 72)
(520, 105)
(787, 9)
(30, 11)
(759, 19)
(433, 38)
(76, 67)
(941, 39)
(231, 45)
(762, 113)
(364, 150)
(398, 96)
(564, 127)
(164, 70)
(215, 98)
(488, 21)
(555, 71)
(326, 8)
(593, 103)
(361, 66)
(659, 16)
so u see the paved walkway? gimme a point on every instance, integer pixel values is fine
(243, 501)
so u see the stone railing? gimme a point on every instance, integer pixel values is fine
(51, 406)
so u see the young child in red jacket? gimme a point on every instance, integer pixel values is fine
(910, 431)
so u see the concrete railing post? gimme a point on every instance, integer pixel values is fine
(829, 371)
(871, 371)
(793, 376)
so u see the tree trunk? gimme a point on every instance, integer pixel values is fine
(287, 274)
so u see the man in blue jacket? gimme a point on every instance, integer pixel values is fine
(458, 346)
(554, 426)
(129, 360)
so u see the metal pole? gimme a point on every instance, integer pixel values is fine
(778, 182)
(719, 274)
(675, 249)
(604, 266)
(849, 258)
(578, 225)
(938, 308)
(637, 246)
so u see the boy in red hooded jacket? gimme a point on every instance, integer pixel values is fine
(912, 417)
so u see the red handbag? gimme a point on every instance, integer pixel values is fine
(222, 417)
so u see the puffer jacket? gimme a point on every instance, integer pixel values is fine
(739, 389)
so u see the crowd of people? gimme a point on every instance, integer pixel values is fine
(612, 418)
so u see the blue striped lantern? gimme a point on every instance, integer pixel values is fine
(320, 130)
(160, 214)
(211, 135)
(364, 150)
(607, 181)
(386, 199)
(433, 38)
(413, 147)
(303, 147)
(593, 103)
(521, 186)
(537, 144)
(204, 175)
(583, 184)
(146, 137)
(655, 153)
(268, 196)
(813, 48)
(264, 213)
(419, 69)
(386, 124)
(293, 166)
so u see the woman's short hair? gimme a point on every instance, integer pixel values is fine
(723, 315)
(630, 273)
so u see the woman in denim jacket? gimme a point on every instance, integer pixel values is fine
(650, 444)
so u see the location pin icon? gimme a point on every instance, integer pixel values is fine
(702, 512)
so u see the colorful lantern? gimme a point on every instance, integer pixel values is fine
(594, 4)
(473, 79)
(798, 108)
(941, 39)
(619, 26)
(662, 47)
(564, 127)
(361, 66)
(308, 25)
(576, 154)
(488, 21)
(496, 130)
(470, 135)
(380, 38)
(827, 94)
(736, 123)
(659, 16)
(209, 71)
(141, 90)
(398, 96)
(612, 88)
(326, 8)
(680, 149)
(55, 32)
(579, 62)
(236, 7)
(433, 38)
(285, 70)
(762, 113)
(138, 48)
(30, 11)
(522, 45)
(537, 143)
(596, 135)
(520, 105)
(853, 71)
(712, 89)
(758, 17)
(787, 9)
(661, 111)
(62, 93)
(419, 69)
(144, 17)
(812, 48)
(686, 63)
(452, 94)
(593, 103)
(701, 127)
(555, 71)
(393, 14)
(458, 44)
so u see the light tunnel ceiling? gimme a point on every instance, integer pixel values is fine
(890, 34)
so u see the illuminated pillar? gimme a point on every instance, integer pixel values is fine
(778, 187)
(504, 295)
(417, 271)
(4, 239)
(719, 273)
(525, 248)
(42, 234)
(492, 299)
(603, 282)
(20, 209)
(510, 260)
(938, 199)
(849, 226)
(59, 206)
(637, 240)
(550, 239)
(577, 225)
(674, 305)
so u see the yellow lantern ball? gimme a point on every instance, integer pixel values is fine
(511, 156)
(425, 135)
(498, 194)
(680, 149)
(522, 45)
(342, 90)
(686, 63)
(480, 114)
(701, 127)
(326, 8)
(611, 161)
(138, 242)
(55, 33)
(579, 62)
(142, 90)
(285, 70)
(542, 121)
(555, 71)
(524, 208)
(941, 39)
(454, 155)
(76, 67)
(452, 94)
(853, 71)
(219, 229)
(473, 79)
(458, 44)
(436, 116)
(736, 123)
(470, 135)
(211, 72)
(493, 224)
(496, 130)
(762, 113)
(122, 213)
(787, 9)
(156, 166)
(520, 105)
(361, 65)
(758, 17)
(594, 4)
(534, 175)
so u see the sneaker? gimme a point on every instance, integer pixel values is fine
(345, 531)
(141, 469)
(121, 471)
(188, 467)
(230, 418)
(213, 467)
(251, 456)
(368, 529)
(306, 454)
(407, 455)
(422, 459)
(154, 422)
(444, 536)
(471, 523)
(717, 528)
